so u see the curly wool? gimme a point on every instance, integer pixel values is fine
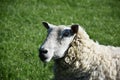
(88, 60)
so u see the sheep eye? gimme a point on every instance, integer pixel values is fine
(66, 33)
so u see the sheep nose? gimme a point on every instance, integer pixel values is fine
(42, 50)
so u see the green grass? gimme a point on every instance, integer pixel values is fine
(21, 31)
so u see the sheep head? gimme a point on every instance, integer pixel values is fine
(57, 41)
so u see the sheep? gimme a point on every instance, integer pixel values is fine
(77, 57)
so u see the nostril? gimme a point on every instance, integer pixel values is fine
(43, 50)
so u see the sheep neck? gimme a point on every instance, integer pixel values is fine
(69, 64)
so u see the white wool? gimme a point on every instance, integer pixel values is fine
(88, 60)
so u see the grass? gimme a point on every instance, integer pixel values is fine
(21, 31)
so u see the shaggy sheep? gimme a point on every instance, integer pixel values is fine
(77, 57)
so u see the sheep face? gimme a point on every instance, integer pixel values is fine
(57, 41)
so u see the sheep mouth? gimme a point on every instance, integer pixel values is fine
(42, 57)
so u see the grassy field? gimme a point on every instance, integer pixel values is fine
(21, 31)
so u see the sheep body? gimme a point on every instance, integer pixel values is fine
(88, 60)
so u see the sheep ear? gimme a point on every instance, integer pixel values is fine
(46, 25)
(74, 28)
